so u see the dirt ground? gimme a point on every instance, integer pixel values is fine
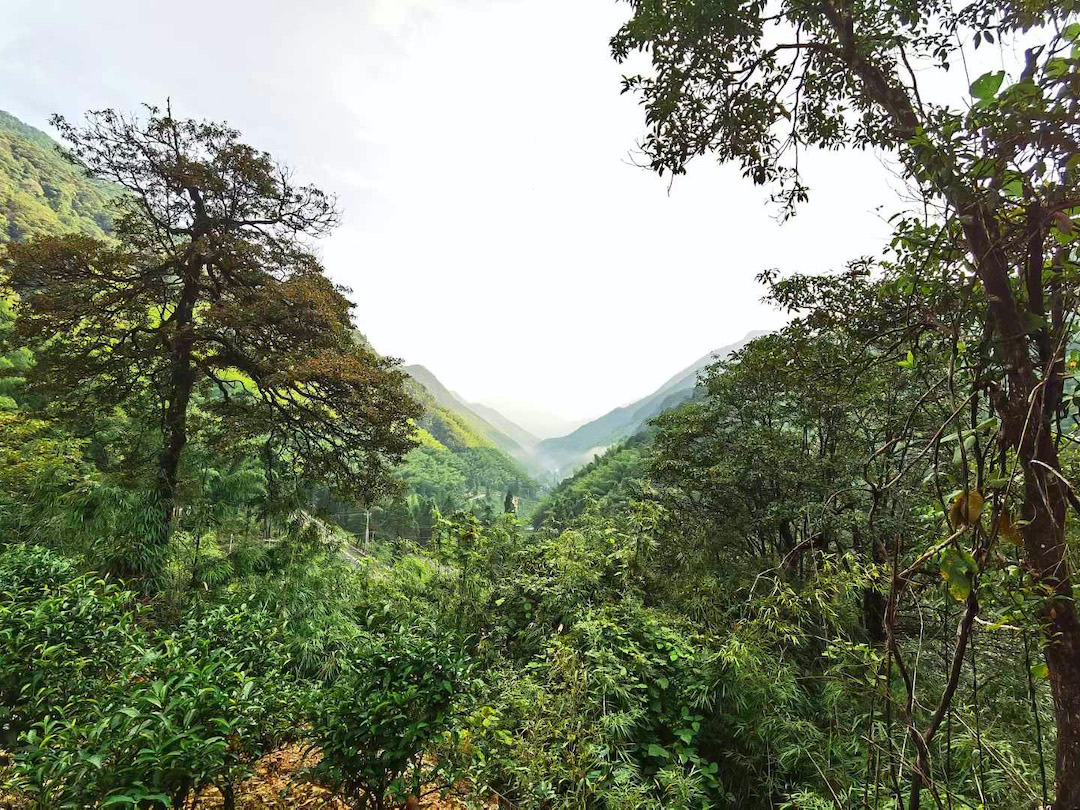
(273, 786)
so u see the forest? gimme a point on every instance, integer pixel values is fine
(246, 560)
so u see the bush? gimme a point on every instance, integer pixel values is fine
(374, 724)
(612, 714)
(108, 712)
(63, 637)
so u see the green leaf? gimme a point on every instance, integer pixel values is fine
(657, 751)
(1014, 188)
(1035, 323)
(1072, 32)
(960, 587)
(957, 568)
(987, 85)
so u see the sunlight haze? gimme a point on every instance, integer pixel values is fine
(482, 156)
(463, 464)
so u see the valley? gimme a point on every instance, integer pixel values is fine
(249, 560)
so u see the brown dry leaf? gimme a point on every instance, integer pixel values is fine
(1063, 222)
(274, 785)
(966, 508)
(1007, 528)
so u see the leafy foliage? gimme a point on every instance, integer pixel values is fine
(839, 576)
(374, 723)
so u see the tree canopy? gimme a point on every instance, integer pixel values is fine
(208, 285)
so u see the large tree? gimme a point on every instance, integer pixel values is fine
(753, 83)
(208, 286)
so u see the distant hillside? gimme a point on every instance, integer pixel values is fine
(464, 413)
(504, 424)
(461, 461)
(611, 479)
(534, 419)
(566, 453)
(41, 192)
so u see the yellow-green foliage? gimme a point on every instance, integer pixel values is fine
(41, 191)
(13, 363)
(450, 428)
(34, 454)
(425, 439)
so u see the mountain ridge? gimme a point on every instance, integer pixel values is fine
(502, 422)
(563, 454)
(446, 398)
(43, 192)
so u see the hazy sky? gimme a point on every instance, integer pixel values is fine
(495, 228)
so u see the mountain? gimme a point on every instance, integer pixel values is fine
(41, 192)
(461, 459)
(504, 424)
(539, 422)
(564, 454)
(464, 413)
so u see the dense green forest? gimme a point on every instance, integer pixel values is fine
(41, 191)
(836, 570)
(460, 462)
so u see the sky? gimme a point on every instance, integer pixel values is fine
(495, 226)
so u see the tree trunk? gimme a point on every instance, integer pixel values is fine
(1026, 416)
(175, 439)
(1044, 542)
(1027, 422)
(873, 600)
(174, 421)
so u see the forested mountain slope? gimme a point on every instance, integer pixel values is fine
(461, 457)
(503, 423)
(566, 453)
(610, 480)
(464, 413)
(840, 574)
(41, 191)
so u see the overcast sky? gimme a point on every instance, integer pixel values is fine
(495, 228)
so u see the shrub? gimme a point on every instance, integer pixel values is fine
(374, 724)
(63, 636)
(102, 710)
(612, 714)
(172, 725)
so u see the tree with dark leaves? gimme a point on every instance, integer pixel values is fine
(208, 288)
(756, 83)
